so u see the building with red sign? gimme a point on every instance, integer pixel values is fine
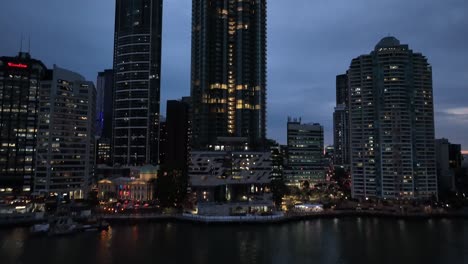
(20, 78)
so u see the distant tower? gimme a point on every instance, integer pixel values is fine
(305, 153)
(104, 114)
(228, 71)
(137, 78)
(341, 122)
(392, 123)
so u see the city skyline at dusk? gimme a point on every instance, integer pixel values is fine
(306, 51)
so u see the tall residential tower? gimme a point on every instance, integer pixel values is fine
(228, 86)
(392, 123)
(137, 70)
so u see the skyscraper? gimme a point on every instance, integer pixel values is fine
(104, 103)
(137, 70)
(228, 86)
(20, 78)
(104, 113)
(341, 121)
(305, 153)
(392, 123)
(66, 134)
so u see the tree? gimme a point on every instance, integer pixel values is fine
(171, 186)
(278, 188)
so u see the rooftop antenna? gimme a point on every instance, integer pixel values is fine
(29, 44)
(21, 41)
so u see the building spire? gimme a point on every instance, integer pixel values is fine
(21, 43)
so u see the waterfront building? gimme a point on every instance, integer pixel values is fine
(392, 123)
(131, 183)
(20, 78)
(66, 134)
(137, 77)
(228, 79)
(231, 182)
(305, 154)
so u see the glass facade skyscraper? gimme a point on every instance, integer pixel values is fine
(392, 123)
(228, 86)
(137, 70)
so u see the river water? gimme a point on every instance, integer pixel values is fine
(347, 240)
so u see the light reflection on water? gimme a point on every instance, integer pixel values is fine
(346, 240)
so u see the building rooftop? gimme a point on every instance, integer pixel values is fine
(388, 42)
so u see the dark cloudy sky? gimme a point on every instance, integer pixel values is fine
(309, 42)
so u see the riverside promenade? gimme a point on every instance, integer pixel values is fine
(277, 218)
(280, 217)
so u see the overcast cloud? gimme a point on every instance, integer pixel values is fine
(309, 43)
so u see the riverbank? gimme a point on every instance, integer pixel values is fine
(27, 220)
(279, 218)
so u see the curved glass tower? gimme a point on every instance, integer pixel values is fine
(228, 71)
(137, 68)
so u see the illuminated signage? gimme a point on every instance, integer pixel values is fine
(17, 65)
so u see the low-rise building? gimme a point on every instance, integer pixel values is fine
(138, 186)
(231, 183)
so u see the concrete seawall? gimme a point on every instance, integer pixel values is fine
(28, 220)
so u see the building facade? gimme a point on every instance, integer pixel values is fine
(305, 153)
(137, 79)
(175, 145)
(104, 103)
(449, 163)
(228, 86)
(392, 123)
(231, 183)
(20, 78)
(341, 122)
(66, 134)
(104, 112)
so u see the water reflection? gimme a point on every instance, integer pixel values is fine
(347, 240)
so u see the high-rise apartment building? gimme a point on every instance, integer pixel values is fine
(341, 122)
(392, 123)
(137, 70)
(20, 78)
(305, 153)
(66, 134)
(228, 87)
